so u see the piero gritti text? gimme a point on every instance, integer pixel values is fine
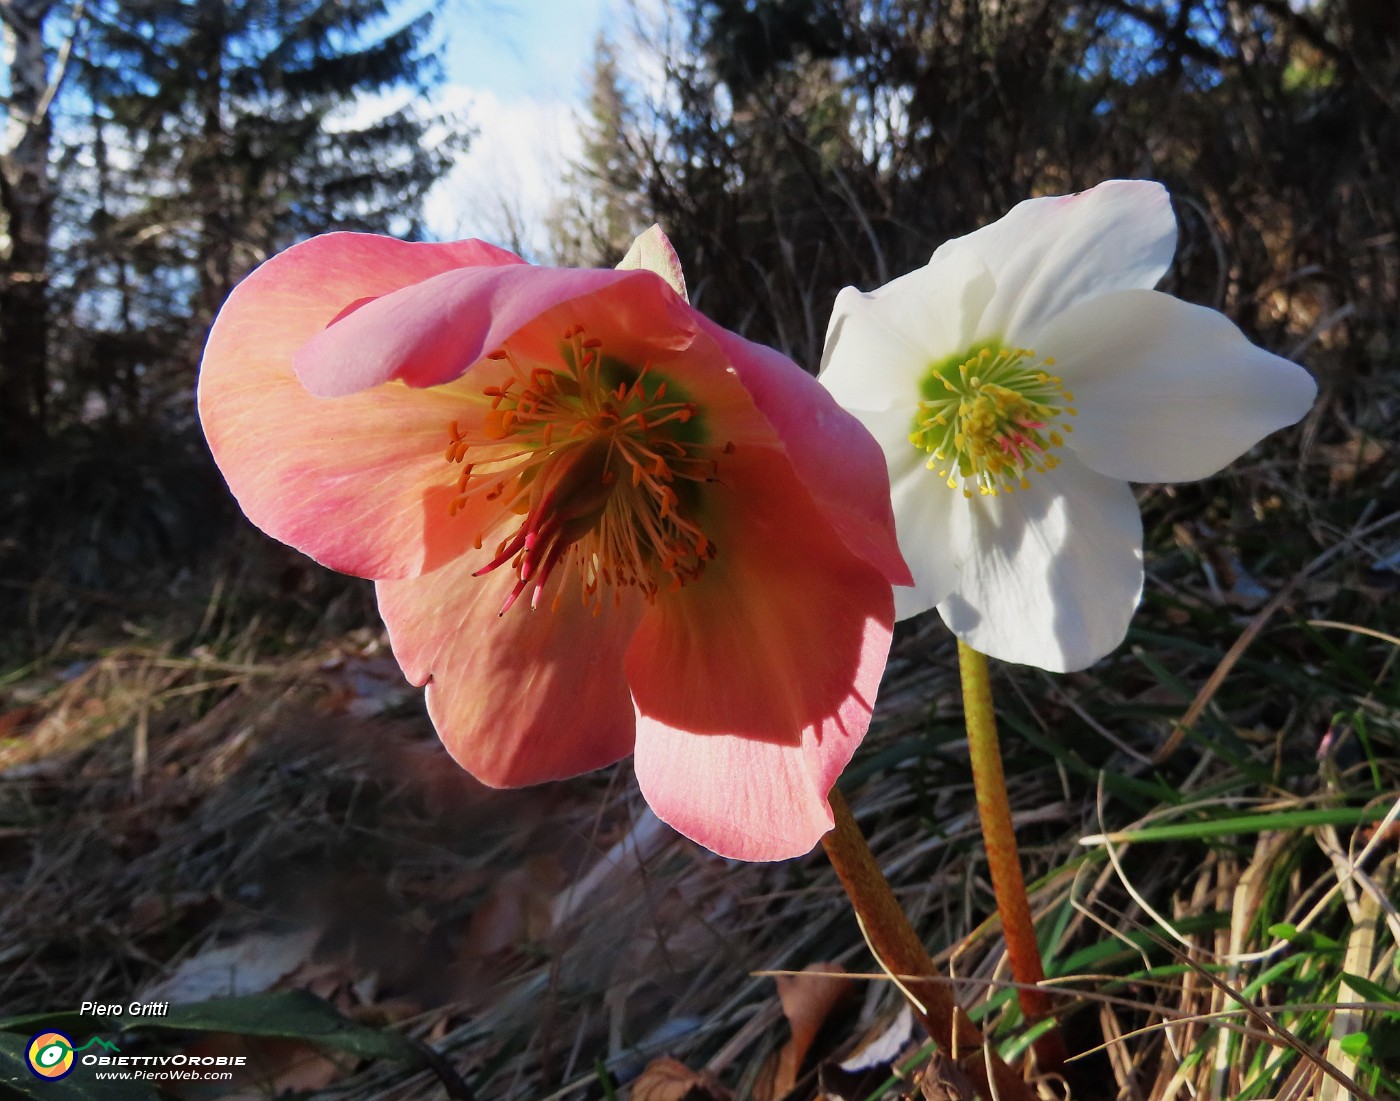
(133, 1009)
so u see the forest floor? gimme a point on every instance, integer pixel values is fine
(214, 782)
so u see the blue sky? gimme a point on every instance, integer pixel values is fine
(525, 49)
(517, 71)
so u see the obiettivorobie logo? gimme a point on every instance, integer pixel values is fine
(52, 1054)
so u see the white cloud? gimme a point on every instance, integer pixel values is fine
(505, 183)
(512, 173)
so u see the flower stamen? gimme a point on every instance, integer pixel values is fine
(991, 418)
(605, 467)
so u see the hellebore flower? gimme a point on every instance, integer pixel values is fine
(599, 524)
(1017, 383)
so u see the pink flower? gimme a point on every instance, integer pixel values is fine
(599, 524)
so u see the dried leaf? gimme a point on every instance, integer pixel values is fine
(518, 910)
(248, 966)
(941, 1080)
(808, 1000)
(668, 1079)
(1348, 459)
(152, 911)
(860, 1073)
(274, 1064)
(363, 686)
(11, 721)
(882, 1047)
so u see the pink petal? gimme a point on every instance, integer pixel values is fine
(519, 698)
(832, 454)
(359, 483)
(429, 333)
(755, 684)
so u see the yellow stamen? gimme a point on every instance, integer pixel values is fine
(997, 426)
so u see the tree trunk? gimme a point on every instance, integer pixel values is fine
(210, 178)
(26, 207)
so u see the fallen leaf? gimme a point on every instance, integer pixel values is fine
(151, 911)
(942, 1080)
(875, 1056)
(883, 1046)
(249, 966)
(668, 1079)
(363, 686)
(11, 721)
(1346, 460)
(273, 1065)
(518, 910)
(808, 1000)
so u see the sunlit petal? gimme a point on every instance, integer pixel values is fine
(1049, 253)
(300, 465)
(517, 699)
(745, 769)
(1168, 391)
(1049, 577)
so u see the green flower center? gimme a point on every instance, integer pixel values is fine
(592, 467)
(990, 417)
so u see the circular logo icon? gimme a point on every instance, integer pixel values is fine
(50, 1054)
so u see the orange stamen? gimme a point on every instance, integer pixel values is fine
(550, 450)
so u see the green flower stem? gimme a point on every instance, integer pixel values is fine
(1004, 861)
(899, 951)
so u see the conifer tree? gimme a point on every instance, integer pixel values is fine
(605, 208)
(26, 210)
(250, 125)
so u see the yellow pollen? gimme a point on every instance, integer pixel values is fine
(996, 427)
(606, 468)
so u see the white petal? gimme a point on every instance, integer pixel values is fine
(652, 251)
(880, 344)
(891, 429)
(1049, 253)
(1048, 576)
(1168, 391)
(939, 306)
(922, 511)
(867, 364)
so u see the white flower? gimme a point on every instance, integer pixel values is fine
(1017, 383)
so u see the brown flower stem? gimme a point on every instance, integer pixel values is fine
(999, 839)
(900, 952)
